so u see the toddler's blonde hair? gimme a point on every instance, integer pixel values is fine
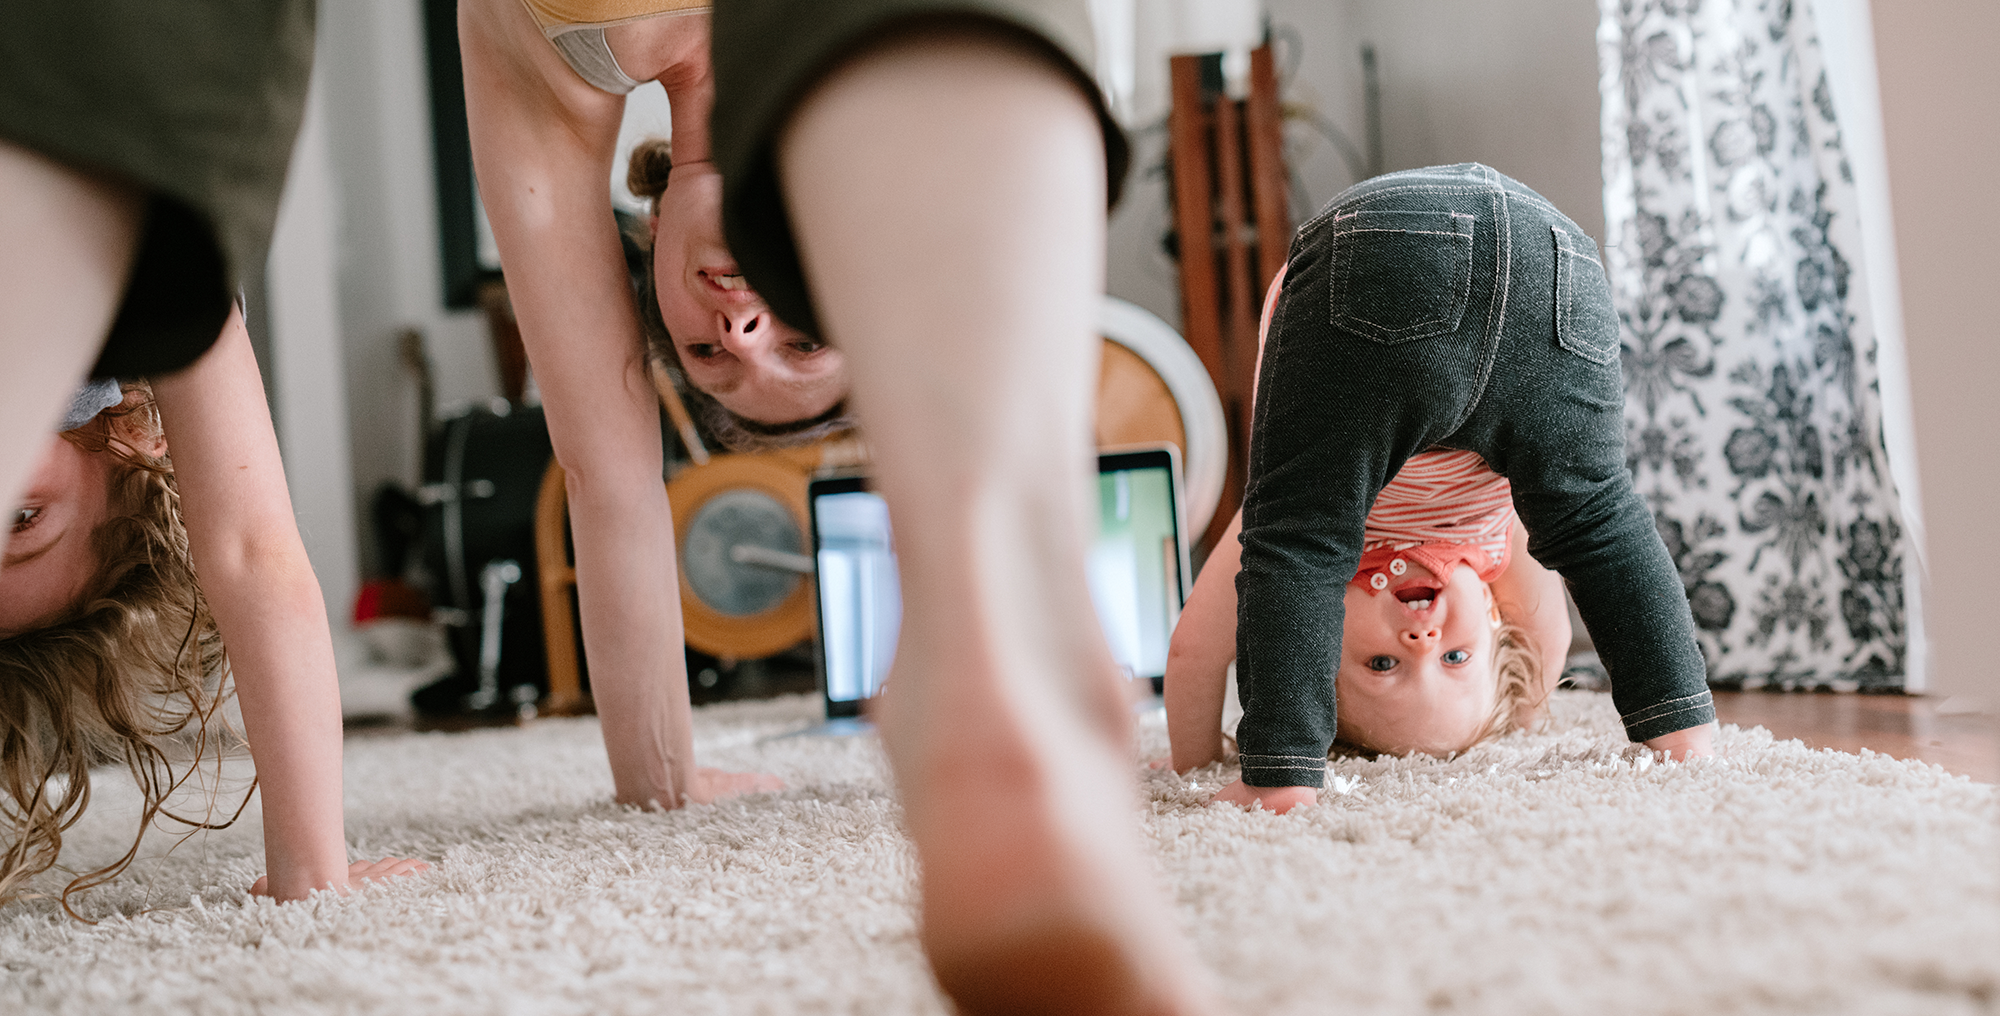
(136, 665)
(1521, 688)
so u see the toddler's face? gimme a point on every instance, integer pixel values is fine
(50, 557)
(1416, 669)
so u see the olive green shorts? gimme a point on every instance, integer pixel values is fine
(768, 53)
(194, 102)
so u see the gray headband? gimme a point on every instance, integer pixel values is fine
(93, 398)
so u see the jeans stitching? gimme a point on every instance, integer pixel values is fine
(1496, 311)
(1565, 286)
(1347, 209)
(1566, 336)
(1461, 286)
(1660, 710)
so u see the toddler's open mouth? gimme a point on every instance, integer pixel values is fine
(1418, 597)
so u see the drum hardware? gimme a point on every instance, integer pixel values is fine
(438, 493)
(494, 580)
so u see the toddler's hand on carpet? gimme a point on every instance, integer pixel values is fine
(360, 873)
(1273, 799)
(711, 785)
(1694, 742)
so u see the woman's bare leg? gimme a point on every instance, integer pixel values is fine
(66, 244)
(947, 191)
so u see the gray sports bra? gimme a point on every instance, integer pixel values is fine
(576, 29)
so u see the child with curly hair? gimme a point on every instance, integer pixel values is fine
(124, 571)
(1442, 356)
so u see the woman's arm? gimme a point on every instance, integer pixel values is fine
(260, 587)
(542, 144)
(1531, 597)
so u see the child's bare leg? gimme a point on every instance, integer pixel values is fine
(947, 193)
(66, 243)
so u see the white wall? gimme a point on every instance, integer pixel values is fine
(1940, 87)
(303, 372)
(371, 54)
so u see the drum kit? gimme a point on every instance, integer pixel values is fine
(740, 519)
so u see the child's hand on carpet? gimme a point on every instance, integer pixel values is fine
(712, 785)
(1273, 799)
(1694, 742)
(359, 873)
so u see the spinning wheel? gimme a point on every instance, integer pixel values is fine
(745, 551)
(743, 539)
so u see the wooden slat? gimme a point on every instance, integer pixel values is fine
(1194, 216)
(1240, 296)
(1239, 322)
(1269, 184)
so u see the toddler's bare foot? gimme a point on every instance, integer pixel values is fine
(1275, 799)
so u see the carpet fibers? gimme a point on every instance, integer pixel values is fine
(1549, 874)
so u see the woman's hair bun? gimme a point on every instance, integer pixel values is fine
(646, 175)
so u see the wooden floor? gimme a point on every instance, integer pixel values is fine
(1904, 726)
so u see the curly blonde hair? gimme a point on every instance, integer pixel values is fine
(133, 668)
(646, 177)
(1517, 667)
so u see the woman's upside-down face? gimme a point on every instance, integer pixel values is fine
(729, 343)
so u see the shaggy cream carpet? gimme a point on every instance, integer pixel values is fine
(1550, 874)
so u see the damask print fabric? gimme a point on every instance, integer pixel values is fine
(1752, 410)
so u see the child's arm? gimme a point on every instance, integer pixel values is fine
(1227, 560)
(1198, 657)
(1531, 597)
(267, 605)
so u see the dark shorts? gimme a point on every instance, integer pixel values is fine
(194, 103)
(768, 53)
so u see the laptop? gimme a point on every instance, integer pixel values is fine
(1138, 568)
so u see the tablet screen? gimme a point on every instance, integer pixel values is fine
(1137, 570)
(1135, 565)
(860, 598)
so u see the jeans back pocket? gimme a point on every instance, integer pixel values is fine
(1401, 276)
(1586, 323)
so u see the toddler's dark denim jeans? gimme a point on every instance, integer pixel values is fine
(1449, 307)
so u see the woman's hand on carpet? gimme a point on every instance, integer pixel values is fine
(358, 874)
(1273, 799)
(712, 785)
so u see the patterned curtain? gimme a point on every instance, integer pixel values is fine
(1753, 419)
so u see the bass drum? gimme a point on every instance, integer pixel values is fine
(482, 472)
